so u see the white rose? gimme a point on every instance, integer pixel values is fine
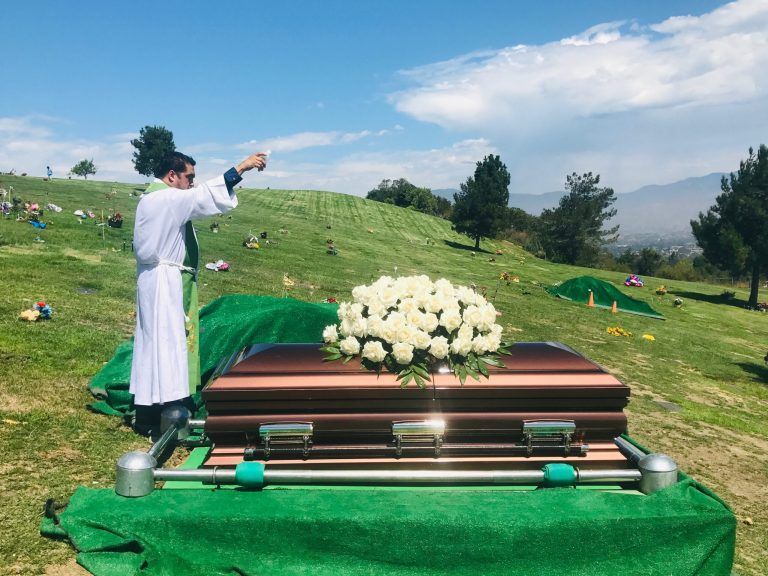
(350, 346)
(465, 332)
(421, 340)
(425, 283)
(330, 334)
(429, 322)
(407, 306)
(444, 286)
(374, 326)
(376, 307)
(480, 345)
(472, 316)
(496, 330)
(396, 319)
(405, 333)
(461, 346)
(439, 347)
(346, 327)
(374, 351)
(433, 304)
(388, 296)
(359, 326)
(466, 295)
(402, 352)
(382, 282)
(362, 294)
(493, 342)
(388, 331)
(344, 311)
(451, 319)
(356, 309)
(414, 318)
(487, 317)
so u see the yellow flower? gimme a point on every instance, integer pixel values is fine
(649, 337)
(287, 282)
(618, 331)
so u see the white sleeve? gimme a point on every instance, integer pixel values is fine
(206, 199)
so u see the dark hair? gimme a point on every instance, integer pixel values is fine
(175, 161)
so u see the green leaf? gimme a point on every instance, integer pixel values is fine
(419, 381)
(347, 359)
(461, 371)
(421, 370)
(472, 373)
(331, 357)
(490, 360)
(482, 369)
(330, 349)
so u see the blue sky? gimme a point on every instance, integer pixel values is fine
(345, 94)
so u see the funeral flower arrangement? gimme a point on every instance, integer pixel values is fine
(409, 324)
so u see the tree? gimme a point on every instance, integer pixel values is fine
(83, 168)
(573, 232)
(402, 193)
(734, 231)
(153, 144)
(648, 262)
(480, 209)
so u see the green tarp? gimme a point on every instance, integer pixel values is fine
(227, 325)
(681, 530)
(604, 294)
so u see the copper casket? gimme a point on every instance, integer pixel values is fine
(282, 404)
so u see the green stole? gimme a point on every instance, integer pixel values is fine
(189, 290)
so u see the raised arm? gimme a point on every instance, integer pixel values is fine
(258, 161)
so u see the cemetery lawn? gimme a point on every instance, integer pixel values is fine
(699, 390)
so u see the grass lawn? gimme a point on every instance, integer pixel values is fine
(699, 391)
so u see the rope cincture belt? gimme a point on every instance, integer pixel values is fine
(163, 262)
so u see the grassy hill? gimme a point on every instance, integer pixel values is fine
(699, 391)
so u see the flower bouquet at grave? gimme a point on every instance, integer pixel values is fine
(116, 220)
(411, 325)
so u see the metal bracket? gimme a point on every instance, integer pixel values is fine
(292, 434)
(548, 434)
(412, 431)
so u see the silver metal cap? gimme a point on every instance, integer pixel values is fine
(657, 463)
(658, 471)
(136, 461)
(135, 474)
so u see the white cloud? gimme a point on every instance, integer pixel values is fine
(713, 59)
(29, 144)
(360, 172)
(637, 103)
(303, 140)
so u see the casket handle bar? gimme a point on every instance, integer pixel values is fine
(290, 434)
(548, 434)
(418, 431)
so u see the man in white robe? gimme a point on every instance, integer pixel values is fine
(165, 350)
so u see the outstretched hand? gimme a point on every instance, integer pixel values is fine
(258, 161)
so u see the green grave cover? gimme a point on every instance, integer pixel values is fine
(227, 325)
(604, 294)
(682, 530)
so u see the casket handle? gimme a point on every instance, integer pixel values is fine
(286, 433)
(411, 431)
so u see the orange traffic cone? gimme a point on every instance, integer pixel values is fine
(591, 303)
(613, 308)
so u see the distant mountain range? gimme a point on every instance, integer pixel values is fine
(664, 210)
